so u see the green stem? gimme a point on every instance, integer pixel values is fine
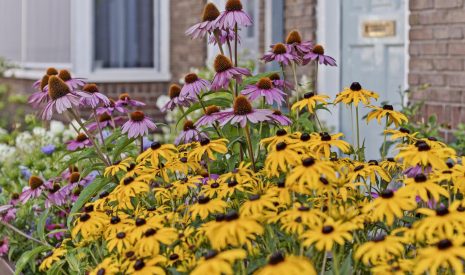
(288, 94)
(296, 86)
(319, 123)
(16, 230)
(335, 261)
(100, 132)
(315, 82)
(323, 265)
(97, 149)
(383, 150)
(217, 38)
(205, 112)
(358, 134)
(249, 143)
(236, 91)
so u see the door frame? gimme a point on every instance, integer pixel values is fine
(329, 27)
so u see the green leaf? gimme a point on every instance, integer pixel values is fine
(85, 196)
(41, 224)
(28, 257)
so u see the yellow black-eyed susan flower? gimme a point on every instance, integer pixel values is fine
(280, 158)
(307, 174)
(322, 145)
(421, 153)
(108, 266)
(149, 243)
(119, 241)
(327, 234)
(380, 250)
(207, 147)
(52, 257)
(278, 263)
(281, 136)
(122, 165)
(310, 101)
(217, 263)
(424, 188)
(206, 206)
(447, 254)
(150, 266)
(157, 152)
(387, 111)
(355, 94)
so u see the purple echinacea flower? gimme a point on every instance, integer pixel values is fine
(210, 116)
(81, 141)
(90, 96)
(225, 72)
(61, 97)
(208, 24)
(264, 88)
(193, 86)
(318, 54)
(138, 125)
(233, 16)
(176, 100)
(281, 54)
(189, 134)
(242, 112)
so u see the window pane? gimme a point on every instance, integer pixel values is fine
(124, 34)
(10, 30)
(48, 31)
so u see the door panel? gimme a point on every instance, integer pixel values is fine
(376, 62)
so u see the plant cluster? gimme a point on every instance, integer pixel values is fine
(254, 184)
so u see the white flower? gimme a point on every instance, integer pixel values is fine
(39, 131)
(56, 127)
(6, 153)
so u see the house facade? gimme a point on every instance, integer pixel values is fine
(140, 47)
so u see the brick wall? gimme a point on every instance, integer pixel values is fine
(437, 58)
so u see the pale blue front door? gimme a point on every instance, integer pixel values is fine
(373, 53)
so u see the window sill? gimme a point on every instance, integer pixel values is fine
(100, 76)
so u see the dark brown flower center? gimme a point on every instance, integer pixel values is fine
(155, 145)
(139, 264)
(442, 211)
(327, 229)
(423, 146)
(231, 216)
(276, 258)
(388, 107)
(81, 137)
(404, 130)
(210, 12)
(137, 116)
(51, 71)
(140, 221)
(15, 196)
(233, 5)
(44, 82)
(281, 132)
(307, 162)
(121, 235)
(294, 37)
(387, 194)
(279, 48)
(318, 49)
(191, 78)
(325, 136)
(104, 117)
(174, 91)
(355, 86)
(324, 181)
(444, 244)
(64, 75)
(74, 177)
(174, 257)
(124, 96)
(265, 83)
(101, 271)
(210, 254)
(222, 63)
(277, 112)
(90, 88)
(57, 88)
(84, 217)
(254, 197)
(242, 106)
(420, 178)
(309, 95)
(211, 110)
(35, 182)
(274, 76)
(150, 232)
(128, 180)
(359, 167)
(115, 220)
(281, 146)
(188, 125)
(203, 199)
(305, 137)
(204, 141)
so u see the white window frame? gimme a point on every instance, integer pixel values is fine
(82, 50)
(82, 26)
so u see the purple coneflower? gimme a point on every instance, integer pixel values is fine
(193, 86)
(280, 53)
(56, 196)
(295, 44)
(4, 247)
(92, 97)
(199, 30)
(189, 134)
(233, 15)
(176, 99)
(9, 215)
(110, 108)
(278, 117)
(280, 83)
(411, 172)
(73, 83)
(105, 120)
(35, 188)
(243, 112)
(41, 96)
(81, 141)
(225, 71)
(38, 83)
(210, 116)
(318, 54)
(138, 125)
(61, 98)
(264, 88)
(124, 101)
(14, 199)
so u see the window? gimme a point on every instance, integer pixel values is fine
(126, 40)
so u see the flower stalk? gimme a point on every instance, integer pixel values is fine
(249, 143)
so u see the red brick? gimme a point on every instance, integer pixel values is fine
(437, 110)
(432, 17)
(448, 3)
(420, 4)
(448, 64)
(421, 34)
(428, 48)
(456, 115)
(445, 95)
(447, 32)
(413, 79)
(419, 64)
(455, 16)
(456, 80)
(457, 48)
(432, 79)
